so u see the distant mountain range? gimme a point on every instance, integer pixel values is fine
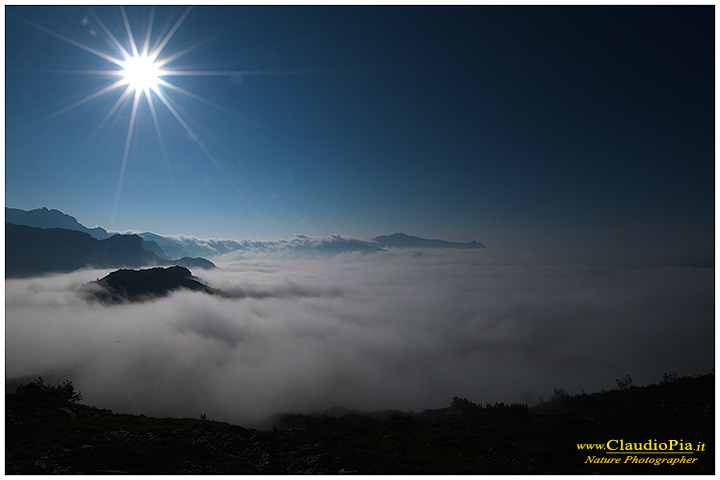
(189, 246)
(44, 218)
(300, 244)
(33, 251)
(52, 241)
(400, 240)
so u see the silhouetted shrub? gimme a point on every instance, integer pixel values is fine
(559, 394)
(462, 403)
(624, 383)
(40, 392)
(669, 377)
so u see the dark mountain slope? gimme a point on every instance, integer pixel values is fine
(47, 431)
(170, 246)
(153, 247)
(33, 251)
(44, 218)
(13, 213)
(138, 285)
(189, 262)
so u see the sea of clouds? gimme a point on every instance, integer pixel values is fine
(389, 330)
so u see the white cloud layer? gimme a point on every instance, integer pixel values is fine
(300, 245)
(379, 331)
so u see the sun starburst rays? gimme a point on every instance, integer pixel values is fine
(141, 68)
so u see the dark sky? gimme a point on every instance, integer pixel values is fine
(514, 126)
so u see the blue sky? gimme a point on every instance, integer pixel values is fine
(513, 126)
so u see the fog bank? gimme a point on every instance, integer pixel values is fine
(381, 331)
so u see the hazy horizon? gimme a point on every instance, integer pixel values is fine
(622, 246)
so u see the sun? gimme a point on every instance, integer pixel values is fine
(141, 69)
(141, 73)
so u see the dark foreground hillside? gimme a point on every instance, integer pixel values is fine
(48, 432)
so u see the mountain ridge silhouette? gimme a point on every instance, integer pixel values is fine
(402, 240)
(51, 218)
(184, 247)
(31, 251)
(126, 285)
